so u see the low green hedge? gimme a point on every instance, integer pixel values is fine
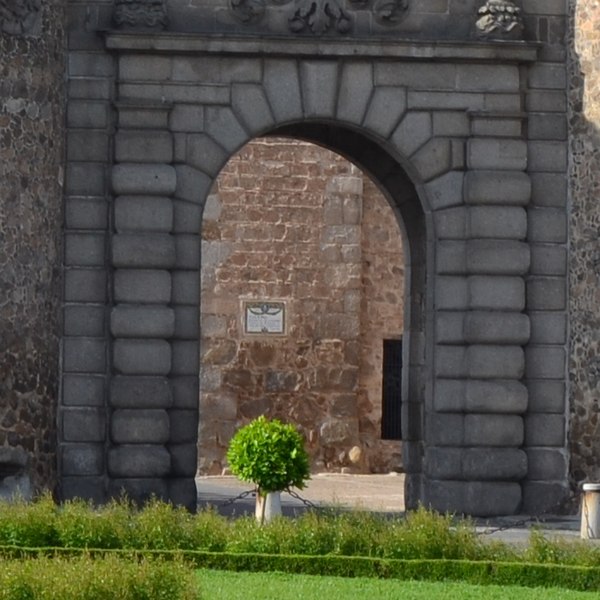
(99, 578)
(468, 571)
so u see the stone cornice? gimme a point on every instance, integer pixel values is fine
(419, 50)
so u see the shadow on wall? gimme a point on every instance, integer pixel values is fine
(295, 225)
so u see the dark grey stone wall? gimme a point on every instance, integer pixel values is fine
(32, 139)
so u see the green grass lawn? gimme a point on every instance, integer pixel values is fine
(226, 585)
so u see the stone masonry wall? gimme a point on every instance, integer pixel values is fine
(292, 222)
(584, 365)
(31, 174)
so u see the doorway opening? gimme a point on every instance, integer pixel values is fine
(302, 280)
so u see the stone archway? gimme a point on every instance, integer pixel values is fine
(291, 225)
(454, 174)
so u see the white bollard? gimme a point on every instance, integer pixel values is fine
(590, 512)
(268, 507)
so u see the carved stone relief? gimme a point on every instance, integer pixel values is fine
(141, 14)
(19, 17)
(321, 16)
(499, 18)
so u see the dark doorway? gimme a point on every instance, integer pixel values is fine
(391, 407)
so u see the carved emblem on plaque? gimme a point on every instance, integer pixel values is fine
(321, 16)
(19, 17)
(499, 18)
(264, 317)
(140, 14)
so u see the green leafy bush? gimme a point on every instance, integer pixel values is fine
(29, 524)
(269, 454)
(80, 525)
(160, 526)
(101, 578)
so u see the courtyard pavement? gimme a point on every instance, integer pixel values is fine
(378, 493)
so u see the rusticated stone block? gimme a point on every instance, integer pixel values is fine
(142, 357)
(143, 146)
(546, 362)
(84, 355)
(500, 464)
(546, 293)
(186, 357)
(493, 430)
(140, 392)
(143, 213)
(496, 154)
(545, 430)
(142, 321)
(186, 287)
(88, 488)
(495, 362)
(187, 323)
(443, 463)
(143, 286)
(184, 426)
(83, 424)
(184, 459)
(499, 222)
(82, 459)
(187, 251)
(452, 293)
(547, 464)
(497, 257)
(479, 362)
(496, 293)
(84, 250)
(83, 390)
(475, 464)
(152, 179)
(497, 187)
(480, 499)
(477, 396)
(139, 460)
(139, 426)
(443, 429)
(546, 396)
(182, 492)
(545, 498)
(85, 285)
(84, 321)
(143, 251)
(185, 392)
(496, 328)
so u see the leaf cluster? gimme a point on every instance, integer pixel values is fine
(269, 454)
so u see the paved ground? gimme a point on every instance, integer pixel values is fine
(379, 493)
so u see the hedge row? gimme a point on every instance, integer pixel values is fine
(99, 578)
(474, 572)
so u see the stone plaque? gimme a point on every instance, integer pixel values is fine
(264, 317)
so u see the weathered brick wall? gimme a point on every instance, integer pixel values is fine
(584, 265)
(294, 222)
(31, 158)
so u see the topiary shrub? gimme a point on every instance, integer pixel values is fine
(269, 454)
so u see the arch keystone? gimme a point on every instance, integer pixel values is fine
(282, 85)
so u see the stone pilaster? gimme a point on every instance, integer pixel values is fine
(475, 429)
